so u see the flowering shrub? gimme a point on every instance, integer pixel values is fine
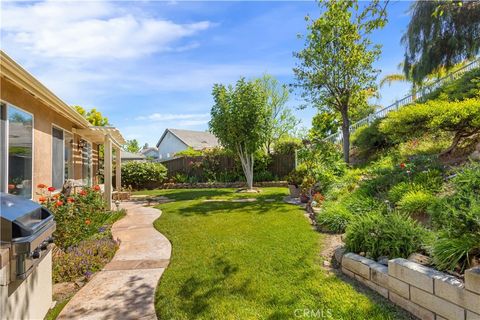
(77, 216)
(83, 259)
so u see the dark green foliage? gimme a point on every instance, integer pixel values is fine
(141, 175)
(393, 235)
(457, 216)
(334, 217)
(370, 140)
(440, 34)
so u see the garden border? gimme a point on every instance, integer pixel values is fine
(202, 185)
(425, 292)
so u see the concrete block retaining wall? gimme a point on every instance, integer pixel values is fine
(424, 292)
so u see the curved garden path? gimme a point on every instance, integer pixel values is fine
(125, 288)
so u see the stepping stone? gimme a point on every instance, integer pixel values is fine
(245, 200)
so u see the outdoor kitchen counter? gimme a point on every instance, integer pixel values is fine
(125, 288)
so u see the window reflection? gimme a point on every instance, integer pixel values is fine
(20, 129)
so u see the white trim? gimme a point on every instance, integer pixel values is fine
(7, 122)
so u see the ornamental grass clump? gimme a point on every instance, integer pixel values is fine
(394, 235)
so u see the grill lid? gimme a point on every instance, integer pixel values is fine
(26, 216)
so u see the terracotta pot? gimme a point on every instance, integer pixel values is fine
(294, 190)
(304, 198)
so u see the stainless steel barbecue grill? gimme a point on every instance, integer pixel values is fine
(26, 230)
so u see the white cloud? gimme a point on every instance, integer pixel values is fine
(90, 30)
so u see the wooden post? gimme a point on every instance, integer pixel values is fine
(118, 169)
(107, 163)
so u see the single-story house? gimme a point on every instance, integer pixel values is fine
(149, 152)
(44, 141)
(131, 156)
(176, 140)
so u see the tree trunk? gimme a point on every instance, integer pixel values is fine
(247, 166)
(346, 136)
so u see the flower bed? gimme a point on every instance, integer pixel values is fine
(82, 237)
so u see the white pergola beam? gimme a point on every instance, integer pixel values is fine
(108, 171)
(118, 169)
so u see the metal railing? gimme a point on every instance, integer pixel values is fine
(422, 92)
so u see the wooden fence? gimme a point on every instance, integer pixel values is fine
(280, 165)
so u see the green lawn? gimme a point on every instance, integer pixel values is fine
(254, 260)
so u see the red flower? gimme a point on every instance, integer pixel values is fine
(96, 187)
(83, 193)
(402, 165)
(11, 186)
(87, 222)
(59, 203)
(41, 186)
(70, 200)
(42, 199)
(51, 189)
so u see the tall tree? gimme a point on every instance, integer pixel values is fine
(240, 121)
(132, 146)
(93, 116)
(335, 69)
(440, 34)
(282, 120)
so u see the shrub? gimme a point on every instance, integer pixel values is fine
(334, 217)
(143, 174)
(468, 86)
(457, 216)
(189, 152)
(369, 139)
(393, 235)
(416, 202)
(360, 203)
(462, 118)
(287, 146)
(83, 260)
(451, 252)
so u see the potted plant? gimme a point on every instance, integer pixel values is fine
(294, 180)
(306, 189)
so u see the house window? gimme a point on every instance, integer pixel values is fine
(62, 164)
(87, 163)
(68, 153)
(17, 148)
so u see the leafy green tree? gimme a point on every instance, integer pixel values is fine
(240, 120)
(132, 146)
(93, 116)
(440, 34)
(282, 120)
(335, 69)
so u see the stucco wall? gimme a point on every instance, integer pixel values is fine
(169, 146)
(43, 119)
(31, 298)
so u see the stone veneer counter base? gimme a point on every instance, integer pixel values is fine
(125, 288)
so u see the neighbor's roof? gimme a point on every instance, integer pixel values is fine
(193, 139)
(125, 155)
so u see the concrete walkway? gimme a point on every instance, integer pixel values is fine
(125, 288)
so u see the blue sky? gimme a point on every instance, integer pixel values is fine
(151, 65)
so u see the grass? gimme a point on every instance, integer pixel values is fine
(251, 260)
